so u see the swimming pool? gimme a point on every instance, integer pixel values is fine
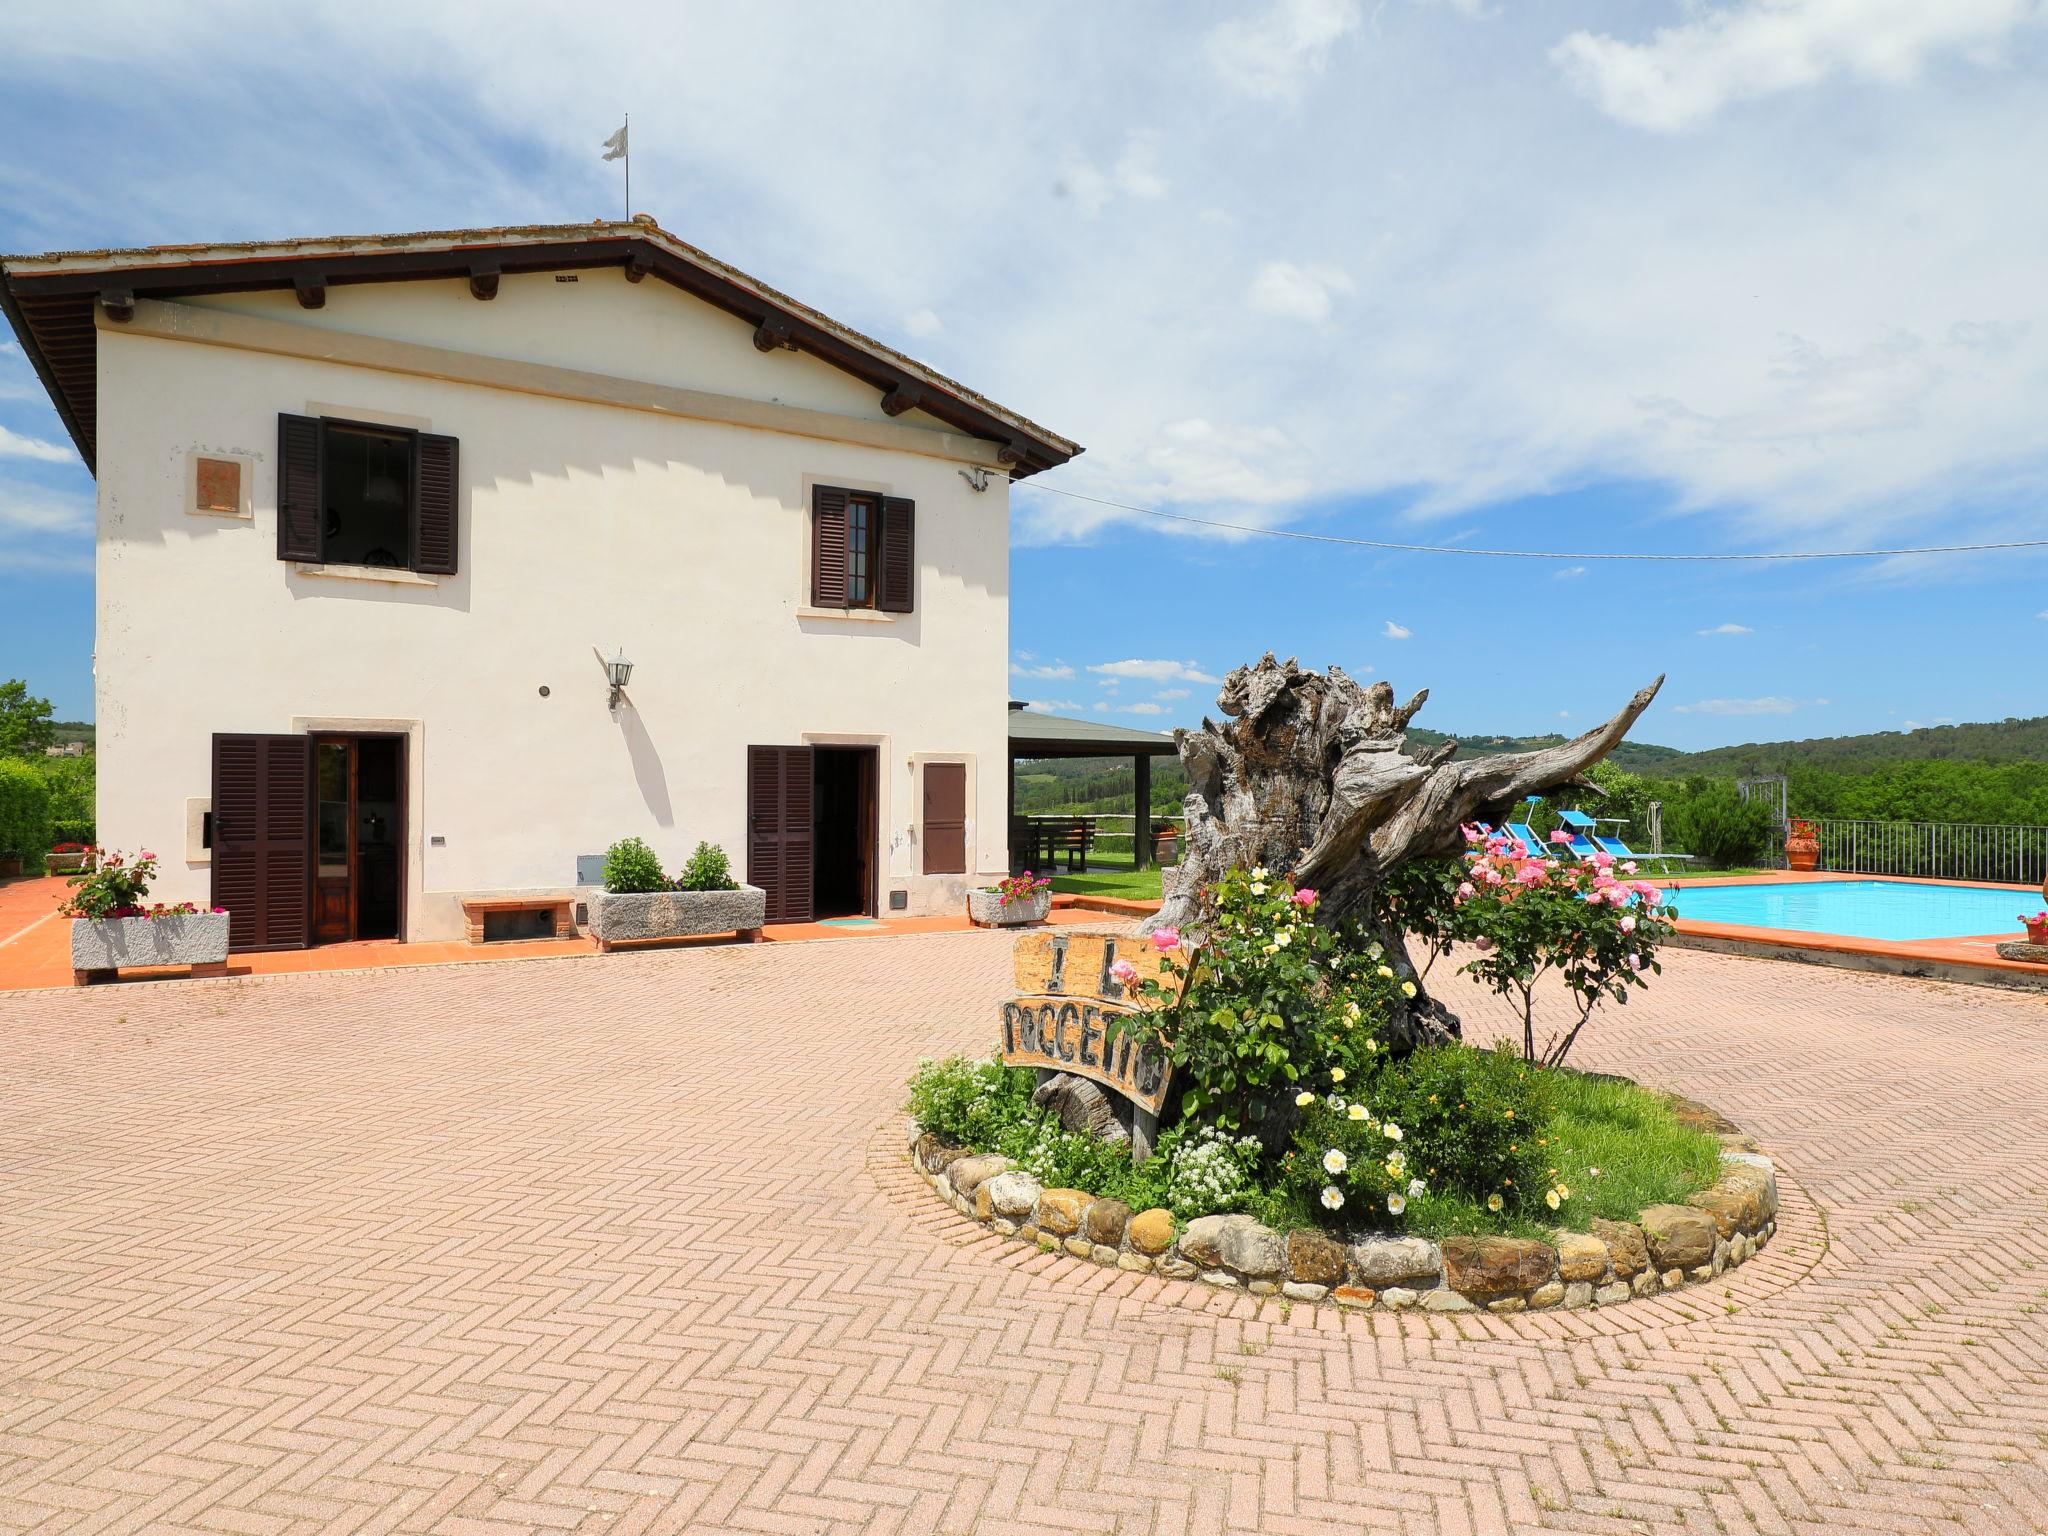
(1859, 909)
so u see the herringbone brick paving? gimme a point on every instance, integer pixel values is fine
(627, 1245)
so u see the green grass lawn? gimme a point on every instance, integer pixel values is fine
(1110, 874)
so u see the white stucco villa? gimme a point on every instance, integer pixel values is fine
(375, 513)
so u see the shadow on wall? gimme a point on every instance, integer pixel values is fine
(647, 769)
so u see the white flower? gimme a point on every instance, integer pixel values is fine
(1259, 873)
(1282, 939)
(1332, 1197)
(1397, 1165)
(1351, 1010)
(1357, 1111)
(1258, 887)
(1270, 949)
(1391, 1131)
(1303, 1099)
(1397, 1203)
(1417, 1189)
(1335, 1162)
(1494, 1202)
(1550, 1199)
(1336, 1101)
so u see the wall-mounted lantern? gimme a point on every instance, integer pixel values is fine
(619, 672)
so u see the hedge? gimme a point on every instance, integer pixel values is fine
(24, 811)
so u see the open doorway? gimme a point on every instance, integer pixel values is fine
(843, 831)
(358, 838)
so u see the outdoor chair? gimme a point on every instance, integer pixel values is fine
(1526, 834)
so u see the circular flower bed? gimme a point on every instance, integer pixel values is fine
(1666, 1246)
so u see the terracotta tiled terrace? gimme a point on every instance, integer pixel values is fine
(624, 1244)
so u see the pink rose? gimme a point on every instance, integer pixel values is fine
(1603, 859)
(1628, 923)
(1473, 834)
(1482, 944)
(1635, 962)
(1124, 972)
(1628, 867)
(1165, 939)
(1617, 897)
(1532, 874)
(1305, 897)
(1465, 890)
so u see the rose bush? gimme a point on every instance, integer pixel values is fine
(1590, 921)
(1270, 997)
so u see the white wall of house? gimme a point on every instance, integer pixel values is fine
(583, 527)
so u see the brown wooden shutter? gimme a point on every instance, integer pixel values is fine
(828, 547)
(436, 489)
(897, 591)
(298, 487)
(779, 842)
(262, 839)
(945, 818)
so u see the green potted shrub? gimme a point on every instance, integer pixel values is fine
(113, 925)
(640, 902)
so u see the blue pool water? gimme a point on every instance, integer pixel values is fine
(1861, 909)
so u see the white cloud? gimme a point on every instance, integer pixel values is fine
(1568, 573)
(1170, 694)
(1764, 706)
(1141, 709)
(1046, 670)
(13, 445)
(1052, 706)
(1564, 714)
(30, 509)
(1154, 671)
(923, 324)
(1686, 74)
(10, 349)
(1134, 174)
(1271, 56)
(1395, 631)
(1728, 629)
(1292, 292)
(2043, 614)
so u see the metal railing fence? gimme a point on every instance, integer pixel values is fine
(1946, 850)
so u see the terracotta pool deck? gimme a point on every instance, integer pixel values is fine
(35, 950)
(1972, 958)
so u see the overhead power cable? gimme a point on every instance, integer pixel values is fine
(1544, 554)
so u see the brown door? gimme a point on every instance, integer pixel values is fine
(779, 848)
(262, 804)
(334, 851)
(945, 818)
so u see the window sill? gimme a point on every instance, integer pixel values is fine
(854, 615)
(222, 512)
(390, 575)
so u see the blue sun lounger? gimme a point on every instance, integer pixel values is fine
(1525, 833)
(1580, 827)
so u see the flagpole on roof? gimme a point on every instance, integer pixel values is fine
(620, 147)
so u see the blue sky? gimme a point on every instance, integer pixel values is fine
(1599, 274)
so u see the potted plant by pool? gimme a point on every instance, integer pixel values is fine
(1802, 846)
(640, 902)
(112, 927)
(2037, 927)
(1165, 840)
(1011, 902)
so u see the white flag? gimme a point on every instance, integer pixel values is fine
(615, 146)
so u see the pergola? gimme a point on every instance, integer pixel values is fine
(1034, 735)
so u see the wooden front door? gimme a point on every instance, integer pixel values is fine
(262, 839)
(779, 846)
(945, 818)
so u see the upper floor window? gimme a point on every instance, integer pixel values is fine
(354, 493)
(863, 550)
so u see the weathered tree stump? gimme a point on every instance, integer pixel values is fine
(1306, 775)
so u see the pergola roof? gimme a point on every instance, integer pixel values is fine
(1036, 735)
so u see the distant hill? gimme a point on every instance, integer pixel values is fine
(2010, 740)
(1635, 756)
(73, 730)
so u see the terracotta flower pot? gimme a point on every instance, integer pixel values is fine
(1803, 853)
(2037, 933)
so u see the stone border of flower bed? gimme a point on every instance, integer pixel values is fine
(1666, 1247)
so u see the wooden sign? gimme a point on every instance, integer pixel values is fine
(1060, 1020)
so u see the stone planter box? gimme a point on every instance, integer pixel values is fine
(987, 910)
(65, 863)
(102, 946)
(627, 918)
